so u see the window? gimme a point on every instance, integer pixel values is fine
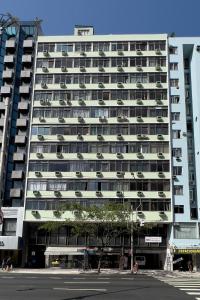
(178, 190)
(173, 50)
(174, 83)
(176, 152)
(9, 227)
(173, 66)
(179, 209)
(177, 170)
(175, 116)
(187, 78)
(185, 231)
(176, 134)
(175, 99)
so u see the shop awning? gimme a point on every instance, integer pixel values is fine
(64, 251)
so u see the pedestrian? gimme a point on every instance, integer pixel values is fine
(135, 267)
(190, 266)
(9, 264)
(3, 264)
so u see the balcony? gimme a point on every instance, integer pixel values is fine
(28, 44)
(21, 122)
(8, 74)
(20, 139)
(25, 74)
(27, 59)
(6, 90)
(10, 44)
(15, 193)
(23, 105)
(18, 156)
(2, 106)
(2, 122)
(9, 59)
(24, 89)
(17, 174)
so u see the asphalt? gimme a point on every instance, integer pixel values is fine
(16, 286)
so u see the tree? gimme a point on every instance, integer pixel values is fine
(106, 221)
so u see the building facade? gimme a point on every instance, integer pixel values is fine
(100, 132)
(16, 61)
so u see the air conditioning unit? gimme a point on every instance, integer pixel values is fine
(82, 85)
(42, 119)
(119, 194)
(120, 102)
(160, 155)
(40, 137)
(60, 137)
(101, 69)
(140, 155)
(82, 53)
(44, 69)
(139, 174)
(57, 193)
(120, 136)
(133, 174)
(36, 193)
(174, 177)
(78, 174)
(59, 155)
(158, 52)
(160, 137)
(35, 213)
(39, 155)
(159, 119)
(178, 158)
(138, 52)
(82, 69)
(198, 48)
(98, 193)
(77, 193)
(161, 213)
(79, 155)
(79, 136)
(101, 53)
(38, 174)
(62, 85)
(64, 53)
(139, 101)
(161, 174)
(61, 102)
(42, 102)
(161, 194)
(80, 119)
(99, 155)
(102, 119)
(99, 174)
(101, 85)
(43, 85)
(158, 84)
(101, 102)
(120, 53)
(58, 174)
(81, 102)
(99, 137)
(184, 133)
(140, 213)
(158, 68)
(63, 69)
(140, 194)
(159, 102)
(139, 119)
(120, 85)
(120, 174)
(57, 213)
(120, 69)
(139, 68)
(61, 120)
(69, 102)
(119, 155)
(46, 53)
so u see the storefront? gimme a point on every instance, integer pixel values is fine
(182, 256)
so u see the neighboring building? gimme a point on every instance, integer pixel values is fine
(17, 44)
(99, 132)
(184, 62)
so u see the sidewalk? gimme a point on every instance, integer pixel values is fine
(56, 271)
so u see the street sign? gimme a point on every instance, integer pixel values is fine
(177, 260)
(153, 239)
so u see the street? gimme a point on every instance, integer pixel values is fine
(15, 286)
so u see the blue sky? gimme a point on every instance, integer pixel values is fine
(110, 16)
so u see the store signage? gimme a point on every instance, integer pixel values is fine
(187, 251)
(153, 239)
(1, 244)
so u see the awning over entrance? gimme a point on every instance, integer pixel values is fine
(64, 251)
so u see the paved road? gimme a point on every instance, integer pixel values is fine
(87, 287)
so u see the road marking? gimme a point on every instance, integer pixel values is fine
(124, 278)
(193, 293)
(7, 277)
(68, 289)
(104, 278)
(31, 277)
(54, 277)
(78, 278)
(188, 289)
(188, 286)
(84, 282)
